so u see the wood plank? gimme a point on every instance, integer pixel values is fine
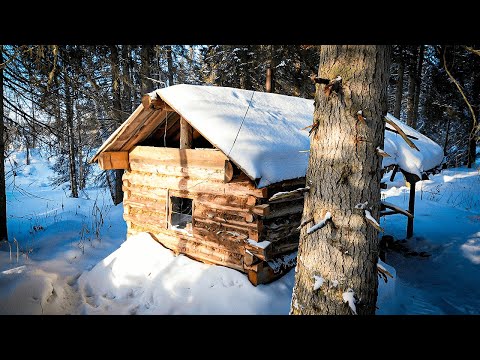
(145, 129)
(109, 160)
(396, 209)
(132, 129)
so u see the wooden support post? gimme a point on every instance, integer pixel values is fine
(186, 134)
(411, 208)
(394, 172)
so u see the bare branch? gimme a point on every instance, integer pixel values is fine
(462, 93)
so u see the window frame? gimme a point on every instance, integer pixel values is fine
(170, 211)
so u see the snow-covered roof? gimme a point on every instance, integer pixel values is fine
(262, 132)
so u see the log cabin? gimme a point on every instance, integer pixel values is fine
(218, 173)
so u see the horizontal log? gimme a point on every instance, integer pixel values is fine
(263, 253)
(193, 186)
(288, 210)
(249, 259)
(229, 223)
(154, 194)
(134, 202)
(109, 160)
(261, 210)
(147, 221)
(205, 173)
(233, 201)
(202, 158)
(225, 238)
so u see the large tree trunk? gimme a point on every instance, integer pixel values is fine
(117, 115)
(399, 89)
(270, 81)
(472, 143)
(71, 139)
(145, 69)
(412, 74)
(127, 81)
(344, 170)
(170, 69)
(3, 195)
(418, 83)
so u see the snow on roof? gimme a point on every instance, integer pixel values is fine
(262, 132)
(408, 159)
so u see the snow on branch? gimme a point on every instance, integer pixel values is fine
(304, 223)
(382, 152)
(321, 224)
(371, 220)
(383, 273)
(289, 194)
(318, 282)
(348, 297)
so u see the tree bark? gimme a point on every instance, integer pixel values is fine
(399, 89)
(270, 81)
(3, 194)
(145, 69)
(418, 83)
(344, 170)
(117, 115)
(412, 72)
(472, 143)
(71, 139)
(127, 80)
(170, 69)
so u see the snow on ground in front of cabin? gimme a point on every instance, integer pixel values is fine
(69, 271)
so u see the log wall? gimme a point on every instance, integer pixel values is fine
(228, 210)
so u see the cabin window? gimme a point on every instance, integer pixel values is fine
(181, 214)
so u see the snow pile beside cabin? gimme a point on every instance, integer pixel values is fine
(262, 132)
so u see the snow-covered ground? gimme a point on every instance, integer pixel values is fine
(69, 263)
